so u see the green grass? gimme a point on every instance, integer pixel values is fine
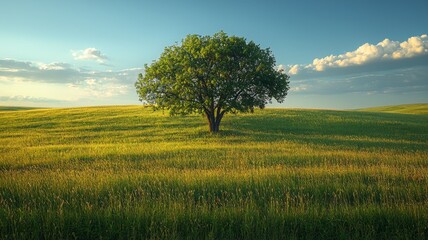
(421, 108)
(128, 172)
(7, 108)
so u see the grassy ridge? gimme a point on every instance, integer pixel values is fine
(127, 172)
(6, 108)
(421, 108)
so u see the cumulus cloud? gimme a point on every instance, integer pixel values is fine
(31, 99)
(384, 51)
(90, 54)
(61, 81)
(100, 88)
(13, 70)
(290, 69)
(38, 72)
(91, 81)
(366, 53)
(12, 65)
(386, 67)
(53, 66)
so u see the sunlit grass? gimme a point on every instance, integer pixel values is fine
(421, 108)
(128, 172)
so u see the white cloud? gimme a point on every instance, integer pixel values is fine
(366, 53)
(53, 66)
(91, 81)
(290, 69)
(294, 70)
(89, 54)
(100, 88)
(300, 88)
(280, 68)
(62, 83)
(386, 67)
(31, 101)
(38, 72)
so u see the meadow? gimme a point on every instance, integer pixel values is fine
(421, 108)
(126, 172)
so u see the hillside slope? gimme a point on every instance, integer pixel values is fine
(421, 108)
(8, 108)
(130, 173)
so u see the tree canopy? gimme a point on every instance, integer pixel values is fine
(212, 75)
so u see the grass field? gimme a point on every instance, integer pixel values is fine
(128, 172)
(421, 108)
(4, 108)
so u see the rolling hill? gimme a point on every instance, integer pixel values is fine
(7, 108)
(421, 108)
(127, 172)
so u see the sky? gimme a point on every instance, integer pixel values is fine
(339, 54)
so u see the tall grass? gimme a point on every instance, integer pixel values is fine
(128, 172)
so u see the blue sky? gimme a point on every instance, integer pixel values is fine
(78, 53)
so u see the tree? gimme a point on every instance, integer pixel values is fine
(212, 75)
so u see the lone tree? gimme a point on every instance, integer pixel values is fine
(212, 75)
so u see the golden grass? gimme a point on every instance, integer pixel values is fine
(129, 172)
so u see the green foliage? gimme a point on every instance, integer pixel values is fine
(130, 173)
(212, 75)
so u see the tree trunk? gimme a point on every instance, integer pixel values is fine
(214, 122)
